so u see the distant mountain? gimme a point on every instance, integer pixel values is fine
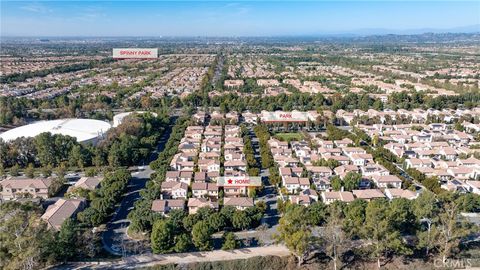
(385, 31)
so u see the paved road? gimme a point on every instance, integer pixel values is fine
(148, 260)
(115, 235)
(408, 177)
(269, 196)
(218, 70)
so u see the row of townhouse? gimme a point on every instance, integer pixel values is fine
(302, 178)
(415, 115)
(420, 133)
(329, 197)
(201, 117)
(193, 204)
(197, 167)
(266, 117)
(21, 188)
(435, 150)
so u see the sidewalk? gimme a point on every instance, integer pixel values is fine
(148, 260)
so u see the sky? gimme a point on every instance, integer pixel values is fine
(227, 18)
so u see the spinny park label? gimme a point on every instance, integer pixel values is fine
(135, 53)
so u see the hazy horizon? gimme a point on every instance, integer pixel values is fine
(235, 19)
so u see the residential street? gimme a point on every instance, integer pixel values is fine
(115, 235)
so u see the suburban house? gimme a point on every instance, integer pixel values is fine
(236, 191)
(473, 186)
(13, 188)
(196, 203)
(387, 181)
(241, 203)
(393, 193)
(200, 190)
(61, 210)
(304, 200)
(174, 190)
(235, 165)
(209, 165)
(368, 194)
(165, 206)
(89, 183)
(322, 184)
(293, 184)
(330, 197)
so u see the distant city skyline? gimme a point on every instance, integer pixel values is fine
(239, 18)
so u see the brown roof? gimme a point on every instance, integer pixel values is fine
(172, 174)
(186, 174)
(201, 202)
(339, 195)
(20, 183)
(160, 205)
(169, 184)
(57, 213)
(180, 185)
(235, 163)
(200, 176)
(319, 169)
(204, 186)
(88, 182)
(368, 193)
(386, 178)
(401, 193)
(238, 201)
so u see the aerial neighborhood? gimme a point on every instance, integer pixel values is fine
(240, 153)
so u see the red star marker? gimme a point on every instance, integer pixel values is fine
(230, 181)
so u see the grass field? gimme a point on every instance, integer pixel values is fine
(287, 137)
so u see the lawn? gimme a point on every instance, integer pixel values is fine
(289, 136)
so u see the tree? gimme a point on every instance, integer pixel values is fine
(317, 213)
(76, 156)
(67, 240)
(451, 228)
(229, 241)
(183, 242)
(240, 220)
(45, 145)
(162, 236)
(61, 171)
(216, 221)
(26, 242)
(30, 171)
(227, 212)
(90, 172)
(14, 170)
(354, 217)
(294, 229)
(89, 244)
(46, 170)
(351, 181)
(380, 231)
(426, 211)
(334, 238)
(336, 183)
(114, 155)
(299, 244)
(400, 214)
(2, 171)
(201, 234)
